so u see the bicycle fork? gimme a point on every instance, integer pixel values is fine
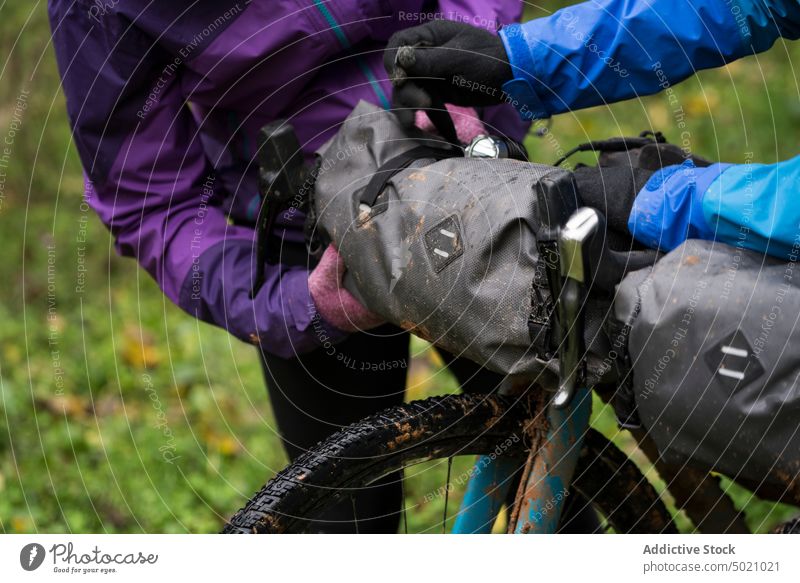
(548, 480)
(553, 465)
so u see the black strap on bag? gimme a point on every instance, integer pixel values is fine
(377, 183)
(443, 123)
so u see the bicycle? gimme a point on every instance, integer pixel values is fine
(536, 449)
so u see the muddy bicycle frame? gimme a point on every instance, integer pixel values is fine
(546, 483)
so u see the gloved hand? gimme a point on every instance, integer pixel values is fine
(616, 187)
(334, 303)
(445, 61)
(611, 190)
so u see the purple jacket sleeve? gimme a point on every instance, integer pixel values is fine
(158, 203)
(156, 194)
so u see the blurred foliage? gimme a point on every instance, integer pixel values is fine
(119, 413)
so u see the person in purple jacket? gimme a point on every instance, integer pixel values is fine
(165, 101)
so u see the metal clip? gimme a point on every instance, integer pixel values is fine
(573, 240)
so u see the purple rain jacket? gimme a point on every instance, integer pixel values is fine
(165, 100)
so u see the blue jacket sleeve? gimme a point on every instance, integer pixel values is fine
(751, 206)
(609, 50)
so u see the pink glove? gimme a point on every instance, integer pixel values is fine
(334, 303)
(468, 124)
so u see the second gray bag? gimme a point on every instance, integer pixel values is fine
(713, 337)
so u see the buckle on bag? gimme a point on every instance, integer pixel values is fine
(573, 241)
(564, 237)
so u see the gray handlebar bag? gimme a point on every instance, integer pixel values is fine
(713, 340)
(447, 250)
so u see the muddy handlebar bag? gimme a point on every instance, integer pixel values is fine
(713, 332)
(439, 244)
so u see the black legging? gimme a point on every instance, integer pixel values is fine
(315, 394)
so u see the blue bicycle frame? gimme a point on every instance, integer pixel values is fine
(547, 484)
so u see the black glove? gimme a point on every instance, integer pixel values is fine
(445, 62)
(611, 190)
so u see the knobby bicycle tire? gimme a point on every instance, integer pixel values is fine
(437, 428)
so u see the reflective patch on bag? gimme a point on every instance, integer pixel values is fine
(365, 213)
(443, 243)
(733, 362)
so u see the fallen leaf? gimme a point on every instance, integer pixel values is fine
(138, 349)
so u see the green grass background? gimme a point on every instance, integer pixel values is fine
(84, 452)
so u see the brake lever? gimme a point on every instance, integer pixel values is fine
(573, 242)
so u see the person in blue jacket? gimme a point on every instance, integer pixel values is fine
(609, 50)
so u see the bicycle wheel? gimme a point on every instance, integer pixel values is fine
(439, 428)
